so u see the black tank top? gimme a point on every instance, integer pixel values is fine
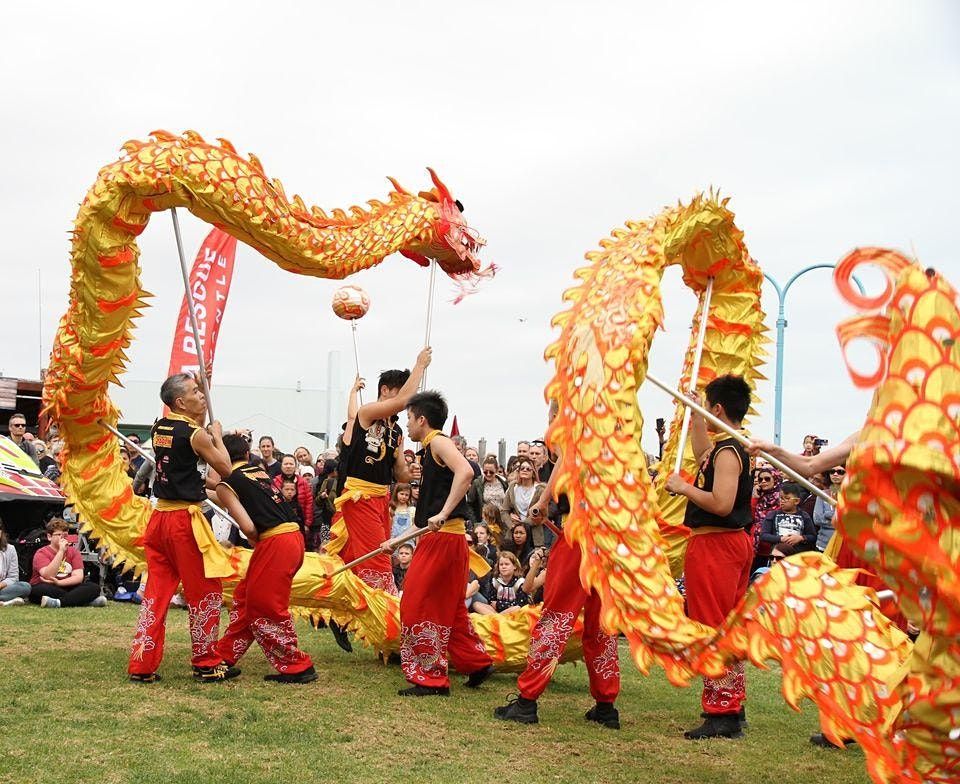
(261, 500)
(372, 452)
(435, 486)
(741, 515)
(178, 477)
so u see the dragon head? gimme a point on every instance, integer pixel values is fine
(449, 240)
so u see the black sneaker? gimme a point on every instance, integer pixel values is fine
(215, 674)
(821, 740)
(341, 636)
(725, 726)
(742, 716)
(424, 691)
(479, 677)
(145, 677)
(605, 714)
(307, 676)
(519, 710)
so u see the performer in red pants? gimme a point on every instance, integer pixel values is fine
(433, 617)
(179, 543)
(720, 552)
(261, 600)
(563, 599)
(373, 462)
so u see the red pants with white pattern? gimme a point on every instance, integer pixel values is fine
(563, 599)
(368, 526)
(173, 558)
(260, 605)
(433, 618)
(716, 573)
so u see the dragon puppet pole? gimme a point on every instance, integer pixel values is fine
(191, 309)
(695, 371)
(356, 356)
(426, 340)
(739, 437)
(407, 536)
(150, 459)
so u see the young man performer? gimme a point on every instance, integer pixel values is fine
(720, 551)
(563, 599)
(261, 599)
(374, 461)
(433, 617)
(179, 543)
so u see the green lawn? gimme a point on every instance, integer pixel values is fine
(69, 715)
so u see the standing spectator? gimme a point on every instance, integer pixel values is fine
(12, 588)
(823, 512)
(288, 491)
(128, 468)
(304, 495)
(57, 579)
(541, 462)
(488, 488)
(401, 511)
(270, 463)
(765, 500)
(18, 430)
(43, 459)
(402, 559)
(303, 456)
(136, 459)
(472, 455)
(523, 449)
(788, 529)
(518, 499)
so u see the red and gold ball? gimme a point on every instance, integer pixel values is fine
(350, 302)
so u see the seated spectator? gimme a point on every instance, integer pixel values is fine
(788, 529)
(491, 519)
(488, 488)
(58, 579)
(519, 543)
(13, 590)
(504, 590)
(473, 595)
(823, 512)
(519, 497)
(536, 575)
(402, 556)
(400, 510)
(483, 545)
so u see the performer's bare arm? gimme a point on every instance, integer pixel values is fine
(444, 449)
(700, 440)
(229, 501)
(726, 477)
(401, 471)
(209, 445)
(384, 409)
(803, 464)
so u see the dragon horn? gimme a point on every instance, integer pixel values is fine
(442, 191)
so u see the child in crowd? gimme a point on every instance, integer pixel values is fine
(490, 515)
(789, 529)
(288, 489)
(400, 509)
(505, 589)
(402, 557)
(483, 544)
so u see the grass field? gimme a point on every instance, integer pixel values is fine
(69, 715)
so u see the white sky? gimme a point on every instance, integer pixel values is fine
(830, 124)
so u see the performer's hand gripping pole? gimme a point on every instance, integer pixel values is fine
(742, 440)
(192, 311)
(406, 536)
(694, 372)
(149, 458)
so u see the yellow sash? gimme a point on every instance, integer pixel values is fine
(216, 560)
(833, 547)
(478, 564)
(282, 528)
(355, 489)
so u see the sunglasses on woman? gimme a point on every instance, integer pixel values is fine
(838, 471)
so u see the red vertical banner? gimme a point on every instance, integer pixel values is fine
(210, 284)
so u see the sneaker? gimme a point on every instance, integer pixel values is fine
(725, 726)
(519, 710)
(742, 716)
(15, 602)
(424, 691)
(215, 674)
(605, 714)
(306, 676)
(49, 601)
(340, 635)
(100, 601)
(477, 678)
(144, 677)
(821, 740)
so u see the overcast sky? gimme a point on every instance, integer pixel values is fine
(830, 125)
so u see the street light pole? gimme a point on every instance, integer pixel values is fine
(781, 329)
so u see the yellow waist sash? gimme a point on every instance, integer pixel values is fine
(282, 528)
(355, 489)
(216, 560)
(478, 564)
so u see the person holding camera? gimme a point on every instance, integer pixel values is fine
(563, 598)
(57, 579)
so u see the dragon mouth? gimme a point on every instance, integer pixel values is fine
(466, 243)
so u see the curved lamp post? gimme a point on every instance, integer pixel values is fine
(781, 328)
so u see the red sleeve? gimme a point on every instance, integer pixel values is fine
(74, 558)
(41, 558)
(306, 501)
(277, 480)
